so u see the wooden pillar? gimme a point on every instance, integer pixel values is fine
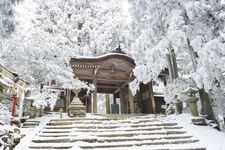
(152, 98)
(94, 104)
(68, 96)
(107, 104)
(89, 106)
(122, 103)
(114, 99)
(131, 101)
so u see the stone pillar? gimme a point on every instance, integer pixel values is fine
(94, 104)
(152, 98)
(107, 104)
(131, 101)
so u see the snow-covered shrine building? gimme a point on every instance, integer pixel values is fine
(111, 74)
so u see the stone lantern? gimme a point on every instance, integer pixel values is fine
(76, 108)
(32, 109)
(192, 100)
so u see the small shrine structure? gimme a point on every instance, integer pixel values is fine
(111, 74)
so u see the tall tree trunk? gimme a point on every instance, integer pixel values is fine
(169, 67)
(224, 120)
(174, 61)
(206, 105)
(172, 64)
(193, 55)
(204, 97)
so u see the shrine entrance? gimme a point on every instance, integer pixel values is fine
(111, 74)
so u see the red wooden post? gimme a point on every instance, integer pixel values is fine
(13, 108)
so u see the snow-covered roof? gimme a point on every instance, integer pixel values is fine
(102, 56)
(12, 72)
(5, 83)
(8, 69)
(110, 70)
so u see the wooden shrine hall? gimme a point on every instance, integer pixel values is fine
(111, 74)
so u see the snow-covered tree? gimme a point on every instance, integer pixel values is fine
(185, 27)
(37, 55)
(111, 26)
(36, 59)
(6, 18)
(88, 27)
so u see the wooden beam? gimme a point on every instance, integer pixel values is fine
(104, 90)
(82, 77)
(117, 90)
(108, 86)
(113, 71)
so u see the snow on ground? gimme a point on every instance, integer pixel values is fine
(30, 133)
(209, 137)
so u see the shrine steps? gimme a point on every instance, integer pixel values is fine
(30, 123)
(140, 132)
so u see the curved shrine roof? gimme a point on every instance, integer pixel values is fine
(110, 71)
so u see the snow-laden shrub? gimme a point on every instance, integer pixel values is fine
(4, 114)
(175, 88)
(45, 98)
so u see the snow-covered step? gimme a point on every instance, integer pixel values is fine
(55, 135)
(114, 129)
(57, 123)
(136, 143)
(109, 126)
(186, 146)
(129, 134)
(103, 133)
(95, 145)
(105, 139)
(51, 146)
(81, 119)
(30, 124)
(116, 133)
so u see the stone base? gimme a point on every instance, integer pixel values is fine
(198, 121)
(74, 111)
(33, 112)
(114, 108)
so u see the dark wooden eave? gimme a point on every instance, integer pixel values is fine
(111, 71)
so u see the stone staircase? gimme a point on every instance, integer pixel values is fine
(127, 132)
(30, 123)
